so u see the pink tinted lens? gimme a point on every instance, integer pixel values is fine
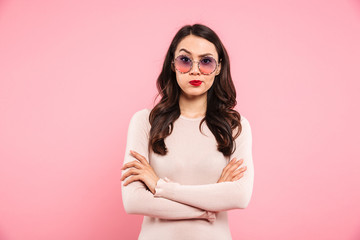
(183, 63)
(207, 65)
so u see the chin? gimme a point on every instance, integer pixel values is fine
(194, 93)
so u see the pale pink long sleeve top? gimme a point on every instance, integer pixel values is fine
(188, 202)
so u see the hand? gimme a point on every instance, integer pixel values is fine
(211, 216)
(230, 173)
(141, 170)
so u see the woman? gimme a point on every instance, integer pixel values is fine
(177, 158)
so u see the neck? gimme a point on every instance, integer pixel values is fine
(193, 106)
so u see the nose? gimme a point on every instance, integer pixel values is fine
(195, 68)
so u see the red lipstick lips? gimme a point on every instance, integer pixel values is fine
(195, 82)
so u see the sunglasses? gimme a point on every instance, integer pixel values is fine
(184, 64)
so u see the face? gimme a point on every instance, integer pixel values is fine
(196, 49)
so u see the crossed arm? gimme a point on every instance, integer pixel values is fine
(175, 201)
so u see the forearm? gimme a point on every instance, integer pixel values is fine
(138, 200)
(211, 197)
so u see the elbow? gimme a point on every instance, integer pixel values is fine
(243, 200)
(129, 209)
(135, 197)
(130, 205)
(243, 204)
(243, 195)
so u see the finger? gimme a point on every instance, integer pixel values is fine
(232, 161)
(238, 177)
(135, 164)
(236, 165)
(238, 171)
(227, 176)
(140, 157)
(132, 171)
(232, 167)
(229, 164)
(225, 172)
(132, 179)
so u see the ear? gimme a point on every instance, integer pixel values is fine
(218, 70)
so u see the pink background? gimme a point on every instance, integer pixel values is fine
(72, 73)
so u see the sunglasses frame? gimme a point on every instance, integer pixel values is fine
(198, 63)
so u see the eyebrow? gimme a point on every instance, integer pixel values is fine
(201, 55)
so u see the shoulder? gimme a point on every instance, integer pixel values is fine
(244, 121)
(245, 127)
(139, 122)
(141, 117)
(142, 114)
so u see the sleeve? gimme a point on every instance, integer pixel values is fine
(217, 196)
(137, 198)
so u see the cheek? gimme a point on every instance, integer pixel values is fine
(182, 78)
(210, 81)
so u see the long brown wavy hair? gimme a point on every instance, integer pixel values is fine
(220, 116)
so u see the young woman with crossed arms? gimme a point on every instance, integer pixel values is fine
(189, 159)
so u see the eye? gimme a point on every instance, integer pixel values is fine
(185, 59)
(207, 60)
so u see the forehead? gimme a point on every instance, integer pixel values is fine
(196, 45)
